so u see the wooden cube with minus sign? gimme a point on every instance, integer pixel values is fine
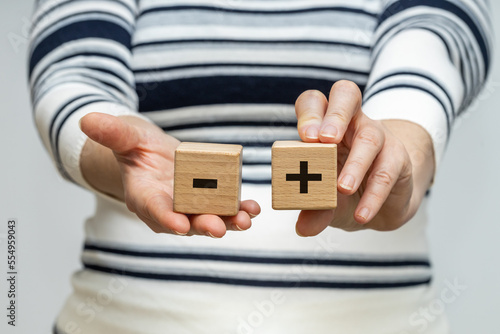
(304, 176)
(207, 178)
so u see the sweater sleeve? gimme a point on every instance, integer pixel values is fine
(429, 60)
(79, 62)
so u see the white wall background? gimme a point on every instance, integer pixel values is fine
(465, 210)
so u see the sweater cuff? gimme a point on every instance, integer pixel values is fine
(414, 79)
(415, 106)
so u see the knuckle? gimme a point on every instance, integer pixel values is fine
(370, 136)
(376, 196)
(338, 116)
(355, 163)
(382, 177)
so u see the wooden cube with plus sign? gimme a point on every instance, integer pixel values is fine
(304, 176)
(207, 178)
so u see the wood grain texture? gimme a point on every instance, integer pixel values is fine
(304, 176)
(207, 178)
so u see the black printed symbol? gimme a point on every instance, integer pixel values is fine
(304, 177)
(205, 183)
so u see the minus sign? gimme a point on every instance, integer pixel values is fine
(12, 273)
(205, 183)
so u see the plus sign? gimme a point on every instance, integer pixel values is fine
(304, 177)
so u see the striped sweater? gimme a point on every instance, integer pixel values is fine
(229, 71)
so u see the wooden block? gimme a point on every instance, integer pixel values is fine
(304, 175)
(207, 178)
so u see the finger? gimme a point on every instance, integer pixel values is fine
(251, 207)
(110, 131)
(153, 225)
(367, 143)
(344, 103)
(311, 223)
(240, 222)
(210, 225)
(310, 108)
(206, 225)
(386, 171)
(159, 209)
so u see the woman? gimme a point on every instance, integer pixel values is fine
(118, 84)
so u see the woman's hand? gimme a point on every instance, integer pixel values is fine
(385, 167)
(133, 160)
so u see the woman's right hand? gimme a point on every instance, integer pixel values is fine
(133, 160)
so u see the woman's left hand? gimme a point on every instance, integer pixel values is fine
(385, 167)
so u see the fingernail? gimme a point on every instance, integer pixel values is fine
(80, 123)
(252, 215)
(329, 131)
(347, 182)
(179, 233)
(312, 133)
(211, 235)
(236, 227)
(364, 213)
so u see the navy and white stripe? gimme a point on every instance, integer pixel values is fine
(430, 59)
(269, 269)
(465, 29)
(79, 58)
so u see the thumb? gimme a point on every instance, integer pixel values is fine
(110, 131)
(312, 222)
